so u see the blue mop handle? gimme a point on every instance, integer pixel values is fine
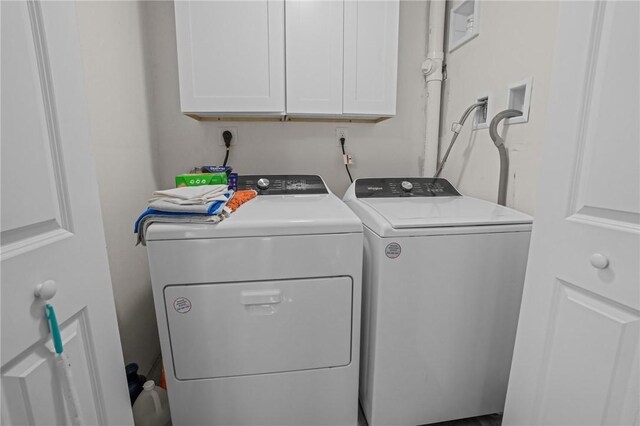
(55, 328)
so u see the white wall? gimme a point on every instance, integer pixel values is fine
(516, 41)
(115, 77)
(392, 148)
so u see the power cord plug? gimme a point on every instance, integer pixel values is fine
(227, 136)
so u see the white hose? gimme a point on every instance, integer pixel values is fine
(69, 392)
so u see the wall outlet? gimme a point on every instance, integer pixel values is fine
(482, 114)
(341, 132)
(234, 132)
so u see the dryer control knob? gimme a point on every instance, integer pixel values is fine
(263, 183)
(406, 186)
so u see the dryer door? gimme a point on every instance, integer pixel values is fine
(232, 329)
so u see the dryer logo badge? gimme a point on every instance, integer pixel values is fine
(393, 250)
(182, 305)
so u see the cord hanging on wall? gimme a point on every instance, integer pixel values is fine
(227, 136)
(346, 158)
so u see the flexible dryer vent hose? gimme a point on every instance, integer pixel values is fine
(504, 159)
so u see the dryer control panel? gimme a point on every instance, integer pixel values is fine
(404, 187)
(283, 184)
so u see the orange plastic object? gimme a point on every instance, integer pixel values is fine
(163, 380)
(241, 197)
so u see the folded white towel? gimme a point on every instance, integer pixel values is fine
(148, 220)
(190, 195)
(169, 205)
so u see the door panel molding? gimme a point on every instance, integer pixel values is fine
(24, 375)
(37, 234)
(618, 324)
(585, 104)
(21, 240)
(608, 218)
(48, 95)
(582, 207)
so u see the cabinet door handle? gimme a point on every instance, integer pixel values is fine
(599, 261)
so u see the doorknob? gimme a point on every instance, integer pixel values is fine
(599, 261)
(46, 290)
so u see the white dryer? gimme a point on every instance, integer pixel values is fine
(442, 283)
(259, 315)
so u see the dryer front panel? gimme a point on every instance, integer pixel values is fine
(246, 328)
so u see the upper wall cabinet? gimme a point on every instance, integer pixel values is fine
(231, 57)
(370, 57)
(341, 58)
(314, 56)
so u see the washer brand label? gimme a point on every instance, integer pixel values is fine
(393, 250)
(182, 305)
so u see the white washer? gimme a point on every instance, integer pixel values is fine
(442, 283)
(259, 315)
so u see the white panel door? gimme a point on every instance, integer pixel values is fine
(51, 227)
(231, 56)
(370, 56)
(577, 347)
(314, 56)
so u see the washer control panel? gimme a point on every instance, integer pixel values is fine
(404, 187)
(283, 184)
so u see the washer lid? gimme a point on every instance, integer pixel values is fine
(270, 215)
(425, 212)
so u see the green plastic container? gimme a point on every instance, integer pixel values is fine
(197, 179)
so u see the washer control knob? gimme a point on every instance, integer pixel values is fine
(406, 186)
(263, 183)
(599, 261)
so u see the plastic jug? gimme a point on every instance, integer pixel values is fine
(152, 406)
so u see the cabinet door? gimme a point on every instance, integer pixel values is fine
(314, 56)
(370, 56)
(231, 56)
